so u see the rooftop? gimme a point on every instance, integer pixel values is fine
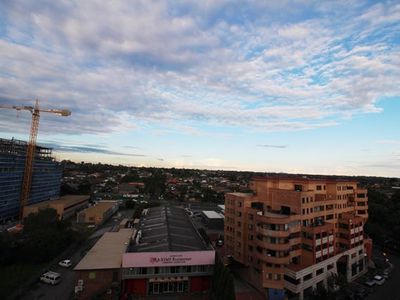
(238, 194)
(67, 201)
(167, 229)
(212, 214)
(100, 207)
(107, 252)
(304, 178)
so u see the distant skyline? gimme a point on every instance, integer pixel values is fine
(271, 86)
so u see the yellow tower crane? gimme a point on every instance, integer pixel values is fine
(30, 152)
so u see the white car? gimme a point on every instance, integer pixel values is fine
(50, 277)
(379, 280)
(66, 263)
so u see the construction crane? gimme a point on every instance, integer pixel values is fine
(30, 152)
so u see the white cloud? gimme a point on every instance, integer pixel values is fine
(120, 64)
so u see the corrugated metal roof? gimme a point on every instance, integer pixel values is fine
(167, 229)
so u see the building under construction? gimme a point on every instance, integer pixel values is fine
(46, 176)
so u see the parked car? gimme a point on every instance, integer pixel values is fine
(50, 277)
(379, 280)
(66, 263)
(386, 274)
(370, 282)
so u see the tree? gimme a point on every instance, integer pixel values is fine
(222, 281)
(44, 236)
(130, 177)
(129, 204)
(155, 184)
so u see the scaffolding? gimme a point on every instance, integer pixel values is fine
(18, 147)
(46, 179)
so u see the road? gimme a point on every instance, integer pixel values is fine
(65, 289)
(391, 288)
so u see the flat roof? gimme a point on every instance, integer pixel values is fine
(306, 178)
(212, 214)
(107, 252)
(167, 228)
(238, 194)
(102, 206)
(67, 200)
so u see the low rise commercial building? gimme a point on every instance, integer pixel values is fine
(98, 213)
(168, 256)
(100, 269)
(292, 233)
(66, 206)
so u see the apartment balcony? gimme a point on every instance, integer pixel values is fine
(277, 218)
(295, 288)
(272, 233)
(320, 228)
(325, 197)
(295, 253)
(271, 246)
(273, 259)
(273, 284)
(295, 241)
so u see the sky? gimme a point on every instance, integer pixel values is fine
(271, 86)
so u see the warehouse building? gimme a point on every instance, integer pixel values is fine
(100, 269)
(46, 177)
(66, 206)
(168, 256)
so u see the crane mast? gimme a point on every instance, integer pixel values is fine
(30, 155)
(31, 147)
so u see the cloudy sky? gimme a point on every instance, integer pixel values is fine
(279, 86)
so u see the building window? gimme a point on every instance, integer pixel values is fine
(319, 188)
(320, 271)
(298, 187)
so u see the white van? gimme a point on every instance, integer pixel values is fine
(51, 278)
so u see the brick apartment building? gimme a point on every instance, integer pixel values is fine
(293, 232)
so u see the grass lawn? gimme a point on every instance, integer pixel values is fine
(11, 277)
